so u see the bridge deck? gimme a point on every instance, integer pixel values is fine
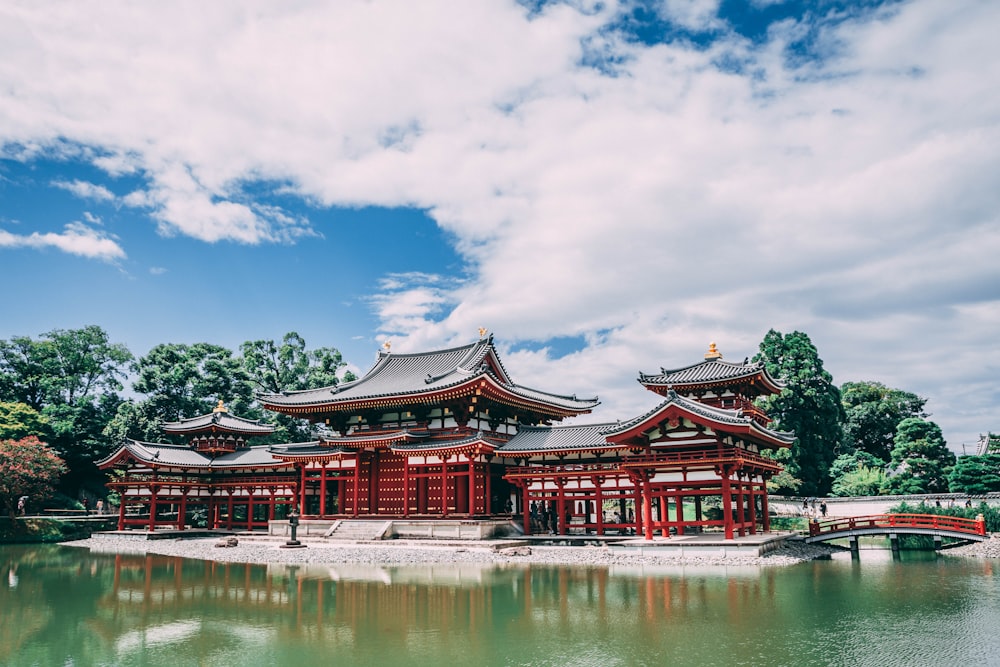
(899, 524)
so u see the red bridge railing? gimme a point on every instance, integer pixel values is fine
(956, 524)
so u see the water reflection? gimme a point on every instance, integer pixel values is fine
(67, 606)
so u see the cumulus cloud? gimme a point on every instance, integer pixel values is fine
(76, 239)
(834, 176)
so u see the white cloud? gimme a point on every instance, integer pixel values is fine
(86, 190)
(670, 200)
(77, 239)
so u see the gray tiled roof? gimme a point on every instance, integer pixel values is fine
(556, 438)
(717, 415)
(221, 421)
(432, 445)
(185, 457)
(710, 370)
(422, 373)
(306, 449)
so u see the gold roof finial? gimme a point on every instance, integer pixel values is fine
(712, 353)
(387, 345)
(221, 407)
(482, 332)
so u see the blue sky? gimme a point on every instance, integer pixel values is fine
(607, 187)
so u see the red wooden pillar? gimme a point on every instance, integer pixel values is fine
(444, 485)
(152, 508)
(302, 492)
(664, 516)
(182, 512)
(488, 485)
(637, 502)
(357, 481)
(406, 486)
(727, 505)
(250, 490)
(740, 509)
(599, 500)
(752, 519)
(647, 507)
(561, 506)
(527, 507)
(764, 507)
(322, 489)
(470, 490)
(121, 510)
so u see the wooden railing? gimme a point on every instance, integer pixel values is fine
(888, 521)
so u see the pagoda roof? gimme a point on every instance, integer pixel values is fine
(560, 438)
(219, 420)
(315, 450)
(720, 419)
(712, 372)
(182, 456)
(476, 442)
(423, 377)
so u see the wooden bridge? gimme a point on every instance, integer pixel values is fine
(892, 525)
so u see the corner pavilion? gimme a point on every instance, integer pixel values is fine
(448, 434)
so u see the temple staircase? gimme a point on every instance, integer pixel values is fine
(356, 530)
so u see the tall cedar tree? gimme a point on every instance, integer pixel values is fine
(809, 406)
(873, 413)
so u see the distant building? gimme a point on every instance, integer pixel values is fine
(448, 434)
(988, 444)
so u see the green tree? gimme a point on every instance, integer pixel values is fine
(920, 458)
(809, 406)
(861, 481)
(28, 467)
(61, 367)
(975, 475)
(70, 376)
(873, 411)
(188, 380)
(273, 368)
(18, 420)
(290, 366)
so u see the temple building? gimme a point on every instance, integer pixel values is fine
(448, 434)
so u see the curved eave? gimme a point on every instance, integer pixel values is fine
(357, 441)
(120, 455)
(210, 423)
(467, 446)
(590, 449)
(329, 455)
(661, 381)
(467, 386)
(721, 421)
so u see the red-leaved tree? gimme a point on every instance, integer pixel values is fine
(28, 467)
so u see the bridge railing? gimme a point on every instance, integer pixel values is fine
(975, 526)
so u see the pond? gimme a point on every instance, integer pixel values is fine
(66, 606)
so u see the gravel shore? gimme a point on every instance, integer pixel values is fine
(409, 553)
(988, 549)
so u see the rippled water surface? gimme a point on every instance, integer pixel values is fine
(65, 606)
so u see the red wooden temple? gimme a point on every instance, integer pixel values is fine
(448, 434)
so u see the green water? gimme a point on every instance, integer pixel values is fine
(66, 606)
